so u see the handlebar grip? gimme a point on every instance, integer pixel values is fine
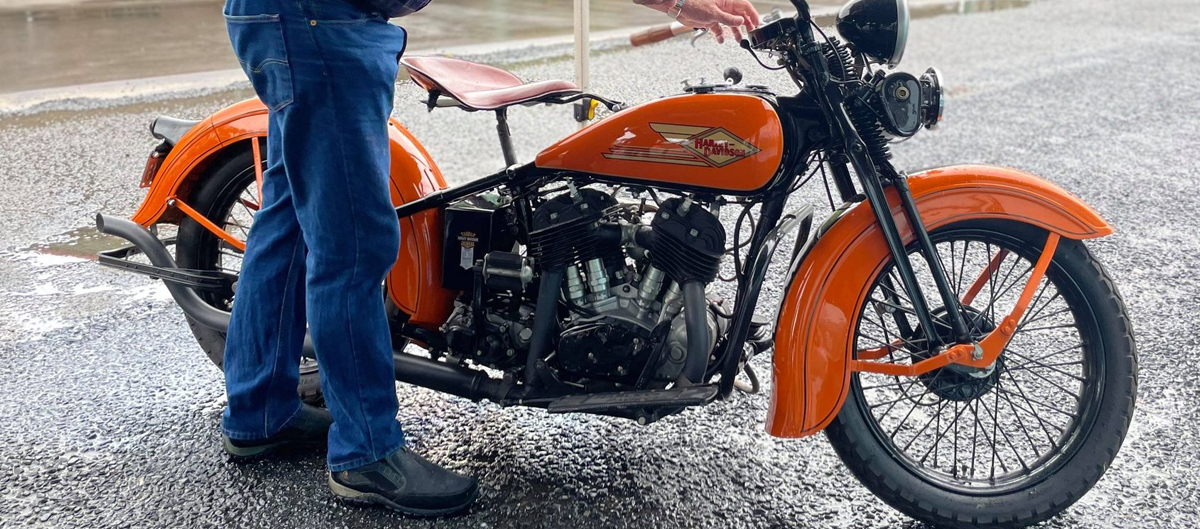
(657, 34)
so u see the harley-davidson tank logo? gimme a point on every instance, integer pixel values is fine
(688, 145)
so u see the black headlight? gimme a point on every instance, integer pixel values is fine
(904, 103)
(877, 28)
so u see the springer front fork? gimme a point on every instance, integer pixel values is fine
(829, 96)
(873, 189)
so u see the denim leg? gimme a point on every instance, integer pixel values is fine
(266, 331)
(327, 72)
(335, 147)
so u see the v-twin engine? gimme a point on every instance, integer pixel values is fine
(624, 315)
(622, 280)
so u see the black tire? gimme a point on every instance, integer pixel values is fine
(1036, 489)
(217, 196)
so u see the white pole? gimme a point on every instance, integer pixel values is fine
(582, 46)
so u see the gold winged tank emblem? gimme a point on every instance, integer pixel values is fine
(688, 145)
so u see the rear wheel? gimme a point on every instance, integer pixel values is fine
(228, 197)
(1006, 446)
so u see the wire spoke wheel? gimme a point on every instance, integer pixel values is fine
(976, 441)
(977, 428)
(237, 221)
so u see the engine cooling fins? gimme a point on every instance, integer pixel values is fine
(565, 228)
(689, 241)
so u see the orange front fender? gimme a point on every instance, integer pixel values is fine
(815, 325)
(414, 283)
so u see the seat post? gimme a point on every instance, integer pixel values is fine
(510, 157)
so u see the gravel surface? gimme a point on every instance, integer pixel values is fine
(112, 410)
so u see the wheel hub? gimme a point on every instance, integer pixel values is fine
(957, 382)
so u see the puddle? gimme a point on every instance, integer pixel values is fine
(74, 245)
(77, 245)
(40, 260)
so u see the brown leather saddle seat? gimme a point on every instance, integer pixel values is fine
(477, 86)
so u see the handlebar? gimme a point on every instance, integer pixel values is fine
(657, 34)
(801, 7)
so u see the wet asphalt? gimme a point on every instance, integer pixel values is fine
(40, 45)
(110, 411)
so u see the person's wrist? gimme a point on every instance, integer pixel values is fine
(675, 8)
(658, 5)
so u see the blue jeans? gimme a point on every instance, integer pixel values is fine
(326, 233)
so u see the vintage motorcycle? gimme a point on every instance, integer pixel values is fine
(969, 359)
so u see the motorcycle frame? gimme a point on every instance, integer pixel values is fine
(800, 124)
(810, 381)
(814, 119)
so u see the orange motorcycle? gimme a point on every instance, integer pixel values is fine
(968, 358)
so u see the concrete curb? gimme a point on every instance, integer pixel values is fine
(119, 93)
(116, 93)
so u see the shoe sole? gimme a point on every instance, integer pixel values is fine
(246, 454)
(353, 497)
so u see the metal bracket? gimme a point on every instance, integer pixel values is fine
(207, 224)
(980, 354)
(196, 279)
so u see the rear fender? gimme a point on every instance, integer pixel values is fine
(414, 283)
(222, 134)
(815, 325)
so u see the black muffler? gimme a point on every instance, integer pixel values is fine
(448, 378)
(410, 369)
(157, 253)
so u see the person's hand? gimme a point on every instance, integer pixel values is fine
(720, 17)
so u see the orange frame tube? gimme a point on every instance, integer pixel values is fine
(208, 224)
(991, 269)
(258, 170)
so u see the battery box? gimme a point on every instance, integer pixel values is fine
(474, 227)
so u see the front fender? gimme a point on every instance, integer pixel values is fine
(815, 325)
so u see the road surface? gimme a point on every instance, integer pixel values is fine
(111, 411)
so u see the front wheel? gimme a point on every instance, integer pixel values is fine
(1015, 443)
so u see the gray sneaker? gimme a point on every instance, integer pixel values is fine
(308, 428)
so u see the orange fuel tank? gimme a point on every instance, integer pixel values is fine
(727, 142)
